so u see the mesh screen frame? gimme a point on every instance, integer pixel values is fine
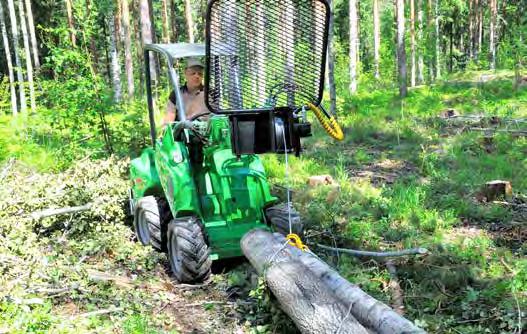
(293, 88)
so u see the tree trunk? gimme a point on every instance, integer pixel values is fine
(128, 62)
(146, 34)
(492, 32)
(7, 49)
(480, 24)
(173, 21)
(29, 66)
(114, 56)
(420, 61)
(313, 294)
(437, 40)
(354, 36)
(401, 51)
(71, 25)
(189, 21)
(164, 14)
(31, 25)
(94, 54)
(18, 62)
(430, 41)
(412, 43)
(331, 64)
(471, 28)
(376, 39)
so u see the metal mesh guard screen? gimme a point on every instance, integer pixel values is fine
(263, 54)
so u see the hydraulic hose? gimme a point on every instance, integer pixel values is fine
(329, 124)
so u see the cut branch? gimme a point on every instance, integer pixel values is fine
(61, 211)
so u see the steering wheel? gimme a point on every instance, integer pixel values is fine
(201, 114)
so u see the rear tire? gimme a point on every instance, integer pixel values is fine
(188, 252)
(278, 218)
(150, 221)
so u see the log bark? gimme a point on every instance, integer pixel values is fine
(267, 252)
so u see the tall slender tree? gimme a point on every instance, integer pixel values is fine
(420, 28)
(492, 33)
(32, 34)
(173, 21)
(354, 41)
(114, 60)
(401, 50)
(412, 43)
(146, 33)
(331, 64)
(7, 49)
(29, 66)
(128, 61)
(18, 62)
(71, 23)
(437, 42)
(164, 16)
(376, 39)
(189, 21)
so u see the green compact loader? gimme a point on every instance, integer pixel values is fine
(201, 185)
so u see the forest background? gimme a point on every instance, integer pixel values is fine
(432, 95)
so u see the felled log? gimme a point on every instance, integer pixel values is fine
(304, 284)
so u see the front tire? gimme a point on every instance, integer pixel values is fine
(150, 223)
(278, 218)
(188, 252)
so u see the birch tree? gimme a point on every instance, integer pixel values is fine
(354, 39)
(164, 15)
(18, 63)
(114, 56)
(189, 21)
(436, 37)
(401, 51)
(29, 66)
(492, 33)
(331, 64)
(412, 43)
(32, 35)
(420, 28)
(71, 24)
(376, 39)
(128, 62)
(7, 49)
(146, 33)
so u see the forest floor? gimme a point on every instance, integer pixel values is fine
(409, 173)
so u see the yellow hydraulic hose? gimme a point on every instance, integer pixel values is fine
(330, 125)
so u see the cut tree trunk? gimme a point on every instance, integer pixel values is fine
(299, 278)
(7, 49)
(18, 62)
(27, 50)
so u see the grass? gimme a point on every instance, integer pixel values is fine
(408, 180)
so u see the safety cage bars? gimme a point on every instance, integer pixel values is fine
(265, 54)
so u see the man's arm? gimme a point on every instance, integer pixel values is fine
(170, 115)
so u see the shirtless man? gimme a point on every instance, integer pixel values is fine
(192, 93)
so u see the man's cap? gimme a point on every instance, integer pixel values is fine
(191, 62)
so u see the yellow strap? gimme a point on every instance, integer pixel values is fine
(330, 125)
(295, 241)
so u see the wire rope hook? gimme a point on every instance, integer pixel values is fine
(295, 241)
